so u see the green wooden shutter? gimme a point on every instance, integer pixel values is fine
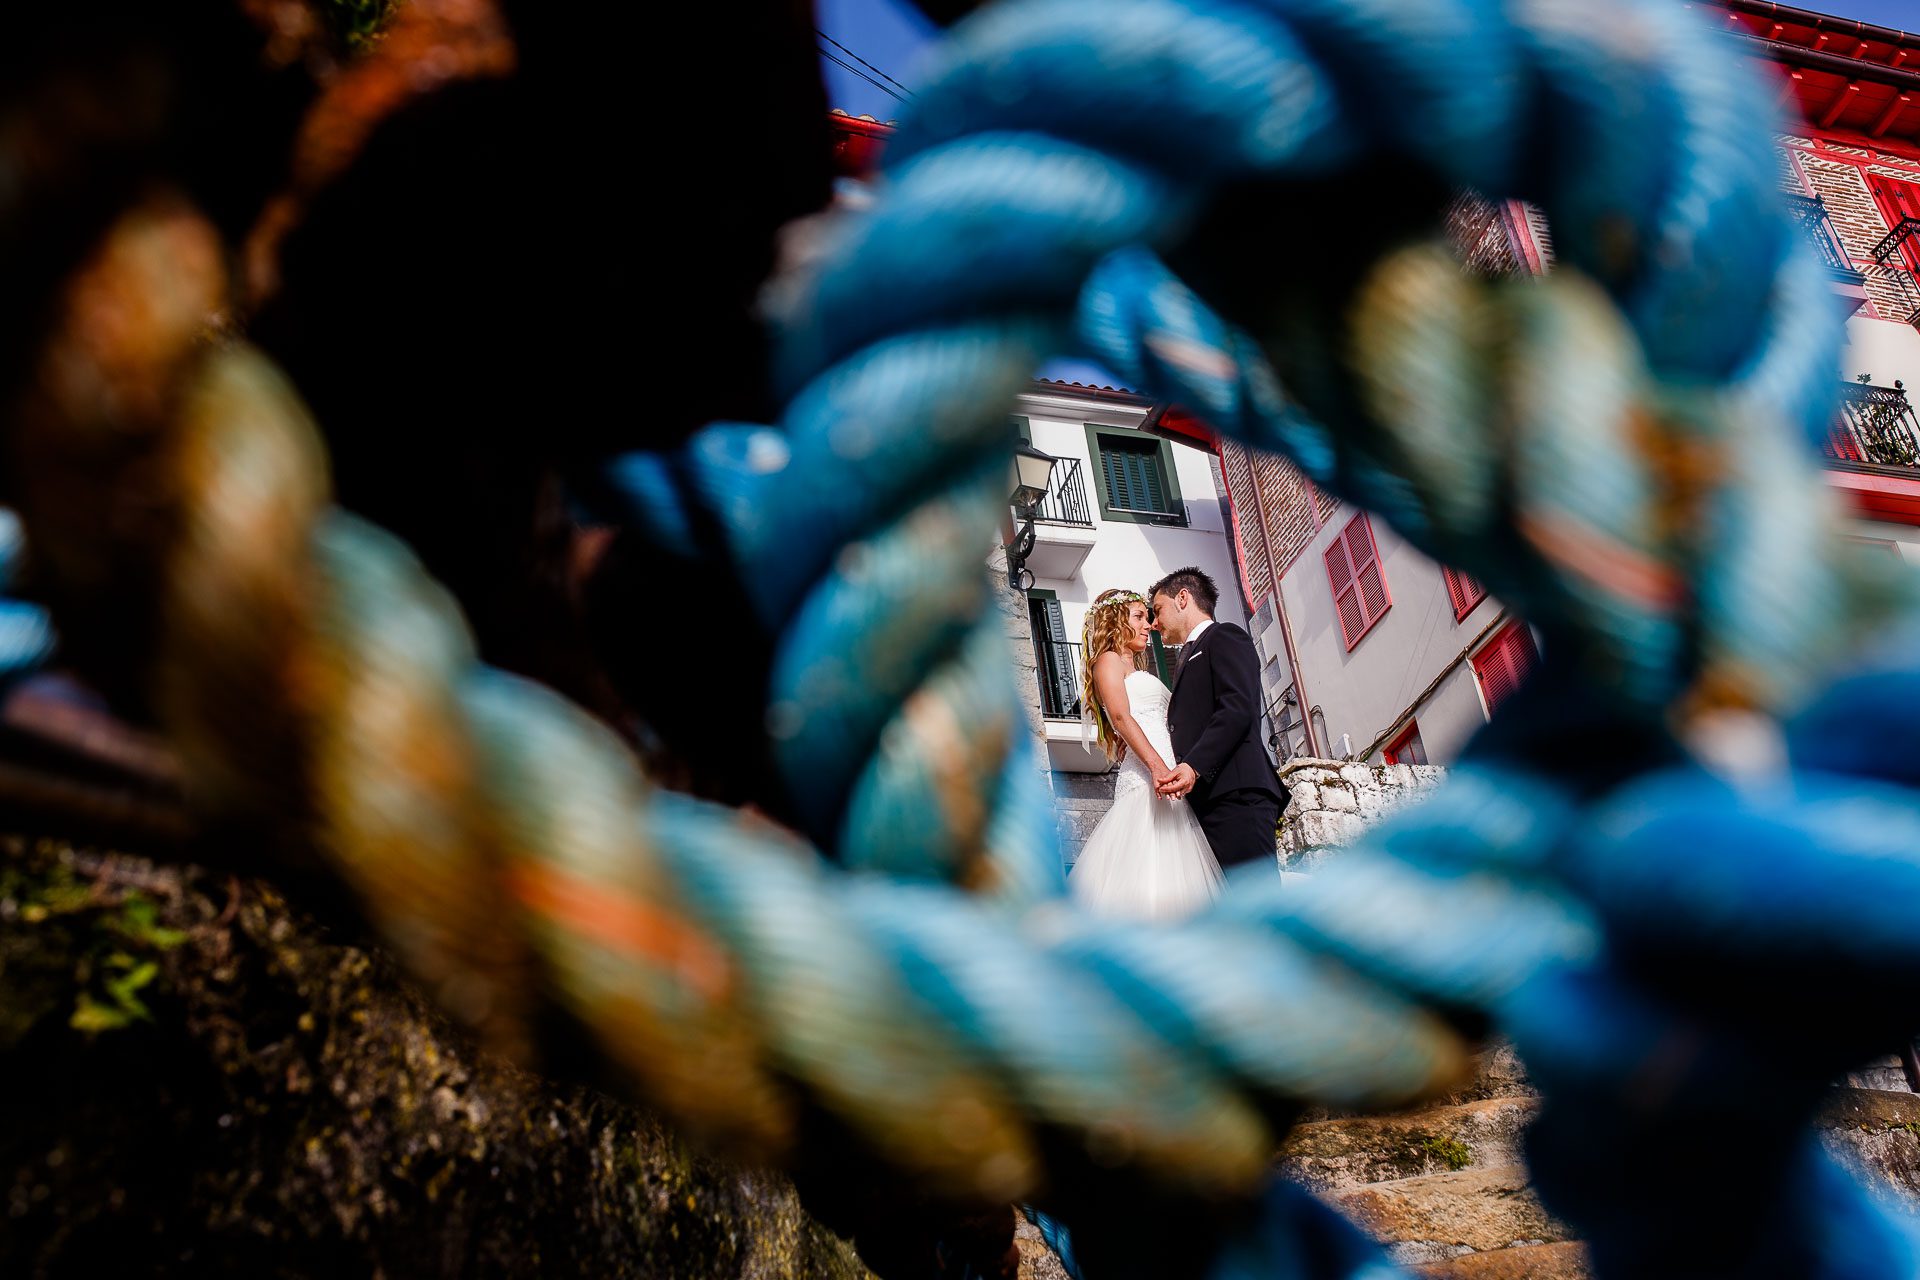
(1056, 622)
(1162, 660)
(1058, 663)
(1136, 479)
(1151, 486)
(1113, 462)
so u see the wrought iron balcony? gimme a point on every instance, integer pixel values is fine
(1059, 678)
(1066, 498)
(1875, 425)
(1810, 215)
(1894, 256)
(1892, 242)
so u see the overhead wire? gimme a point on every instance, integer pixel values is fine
(849, 67)
(863, 62)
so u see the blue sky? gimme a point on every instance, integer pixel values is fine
(1901, 14)
(892, 35)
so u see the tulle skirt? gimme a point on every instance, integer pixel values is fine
(1148, 859)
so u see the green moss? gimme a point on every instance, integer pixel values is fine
(359, 23)
(1452, 1152)
(110, 940)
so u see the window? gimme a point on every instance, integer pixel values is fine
(1898, 201)
(1054, 657)
(1504, 663)
(1134, 472)
(1407, 748)
(1464, 591)
(1162, 660)
(1353, 571)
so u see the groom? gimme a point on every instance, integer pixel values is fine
(1214, 721)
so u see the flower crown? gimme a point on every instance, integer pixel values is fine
(1121, 597)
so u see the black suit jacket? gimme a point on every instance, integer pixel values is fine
(1214, 717)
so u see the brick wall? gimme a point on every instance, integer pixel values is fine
(1279, 511)
(1236, 462)
(1479, 230)
(1837, 174)
(1290, 504)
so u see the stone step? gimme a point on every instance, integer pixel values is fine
(1334, 1155)
(1497, 1073)
(1037, 1262)
(1885, 1072)
(1440, 1216)
(1876, 1134)
(1562, 1261)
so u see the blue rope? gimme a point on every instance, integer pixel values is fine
(26, 633)
(1619, 451)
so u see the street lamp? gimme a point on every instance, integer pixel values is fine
(1030, 471)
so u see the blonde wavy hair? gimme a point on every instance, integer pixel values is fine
(1105, 631)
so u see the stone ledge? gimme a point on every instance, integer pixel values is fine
(1433, 1218)
(1562, 1261)
(1336, 1155)
(1330, 802)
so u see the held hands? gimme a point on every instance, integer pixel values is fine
(1176, 782)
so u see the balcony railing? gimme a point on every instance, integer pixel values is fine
(1892, 242)
(1875, 425)
(1810, 214)
(1066, 500)
(1894, 256)
(1059, 678)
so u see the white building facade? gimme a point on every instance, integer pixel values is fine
(1128, 501)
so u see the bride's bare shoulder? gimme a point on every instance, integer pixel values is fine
(1110, 679)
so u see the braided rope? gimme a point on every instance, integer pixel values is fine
(314, 678)
(709, 956)
(26, 633)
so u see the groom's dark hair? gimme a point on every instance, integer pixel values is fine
(1194, 583)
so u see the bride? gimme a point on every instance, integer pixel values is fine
(1147, 858)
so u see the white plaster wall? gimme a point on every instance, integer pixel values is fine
(1904, 537)
(1363, 692)
(1134, 555)
(1887, 349)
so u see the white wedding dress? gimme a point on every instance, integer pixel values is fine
(1148, 859)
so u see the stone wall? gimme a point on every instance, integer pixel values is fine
(1080, 800)
(1019, 632)
(1330, 802)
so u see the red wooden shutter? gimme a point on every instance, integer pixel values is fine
(1504, 663)
(1346, 599)
(1353, 570)
(1898, 200)
(1366, 566)
(1407, 748)
(1464, 590)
